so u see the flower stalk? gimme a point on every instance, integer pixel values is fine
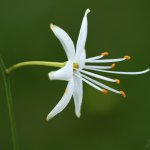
(6, 79)
(35, 63)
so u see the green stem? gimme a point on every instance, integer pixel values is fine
(34, 63)
(9, 104)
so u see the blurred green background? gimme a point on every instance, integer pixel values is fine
(108, 122)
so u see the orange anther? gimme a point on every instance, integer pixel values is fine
(127, 57)
(104, 91)
(123, 94)
(117, 81)
(104, 53)
(113, 65)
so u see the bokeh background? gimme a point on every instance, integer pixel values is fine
(108, 122)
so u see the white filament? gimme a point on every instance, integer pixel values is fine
(100, 84)
(119, 72)
(98, 76)
(89, 83)
(107, 60)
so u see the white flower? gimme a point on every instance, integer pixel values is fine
(75, 70)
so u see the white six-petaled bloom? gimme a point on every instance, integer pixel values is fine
(75, 70)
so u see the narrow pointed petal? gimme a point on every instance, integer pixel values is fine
(126, 73)
(81, 59)
(78, 94)
(82, 36)
(65, 41)
(64, 73)
(63, 102)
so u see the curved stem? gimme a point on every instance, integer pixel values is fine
(34, 63)
(9, 104)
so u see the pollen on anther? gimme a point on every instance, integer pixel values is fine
(113, 65)
(104, 91)
(127, 57)
(104, 54)
(117, 81)
(123, 94)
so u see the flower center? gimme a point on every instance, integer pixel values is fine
(75, 66)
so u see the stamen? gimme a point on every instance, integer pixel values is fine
(94, 58)
(113, 66)
(104, 54)
(117, 81)
(106, 60)
(97, 67)
(98, 76)
(104, 91)
(123, 94)
(89, 83)
(100, 84)
(127, 57)
(125, 73)
(97, 57)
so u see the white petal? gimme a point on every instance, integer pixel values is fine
(78, 94)
(64, 100)
(64, 73)
(65, 41)
(81, 59)
(82, 35)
